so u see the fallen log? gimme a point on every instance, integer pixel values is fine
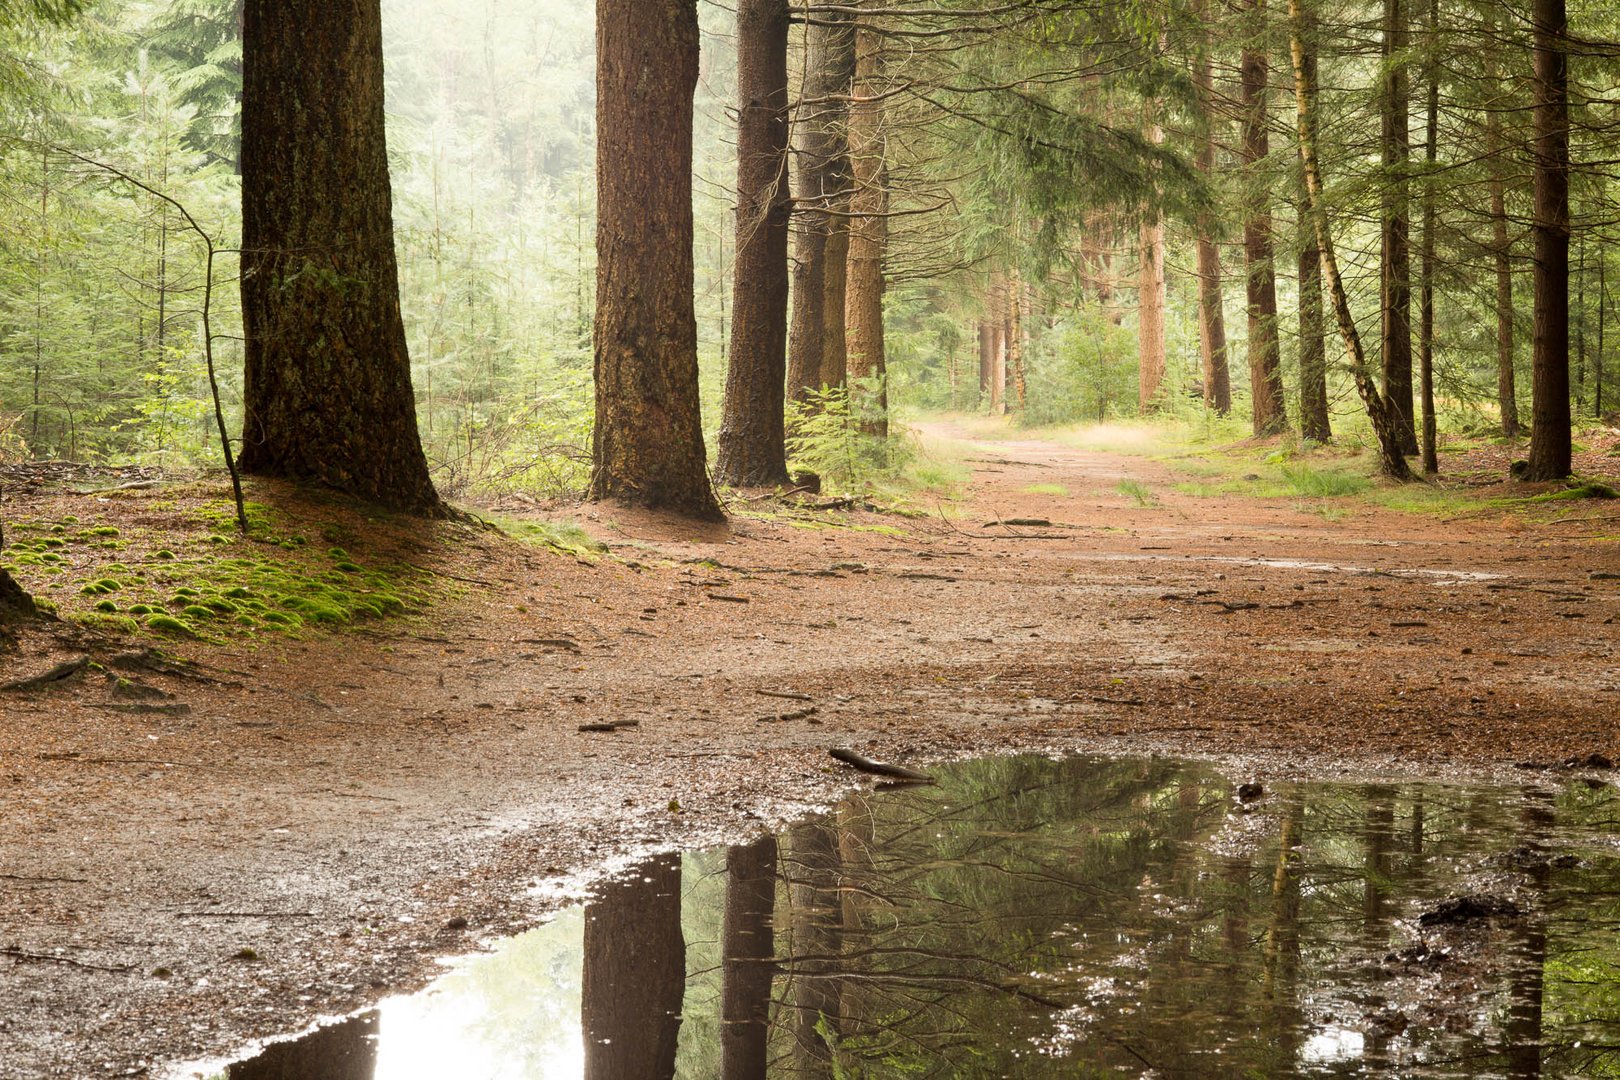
(879, 768)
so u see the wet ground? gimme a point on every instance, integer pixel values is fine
(1036, 918)
(299, 828)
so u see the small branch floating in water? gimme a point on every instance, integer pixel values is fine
(880, 768)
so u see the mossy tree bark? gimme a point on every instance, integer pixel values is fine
(1550, 442)
(819, 127)
(868, 238)
(751, 442)
(648, 443)
(1265, 353)
(1392, 459)
(327, 392)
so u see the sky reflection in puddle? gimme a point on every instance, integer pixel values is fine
(1032, 918)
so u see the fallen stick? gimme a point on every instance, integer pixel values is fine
(791, 695)
(879, 768)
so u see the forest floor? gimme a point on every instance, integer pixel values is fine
(294, 826)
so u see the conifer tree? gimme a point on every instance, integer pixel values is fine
(327, 394)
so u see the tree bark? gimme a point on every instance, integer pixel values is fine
(835, 280)
(648, 443)
(1314, 421)
(868, 238)
(1502, 251)
(1211, 307)
(1392, 459)
(1431, 453)
(1550, 442)
(820, 137)
(998, 346)
(327, 386)
(1265, 357)
(752, 444)
(15, 603)
(1150, 315)
(634, 973)
(346, 1050)
(816, 924)
(986, 363)
(748, 948)
(1395, 266)
(1015, 341)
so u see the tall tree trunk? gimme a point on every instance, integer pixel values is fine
(752, 439)
(819, 127)
(1150, 315)
(1015, 341)
(998, 346)
(1550, 442)
(327, 389)
(835, 279)
(1315, 423)
(1314, 420)
(1502, 251)
(1391, 458)
(1211, 304)
(1395, 266)
(1431, 150)
(986, 361)
(1265, 359)
(648, 443)
(868, 237)
(748, 948)
(635, 970)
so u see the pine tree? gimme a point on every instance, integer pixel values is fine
(327, 395)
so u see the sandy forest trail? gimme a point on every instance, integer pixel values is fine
(331, 814)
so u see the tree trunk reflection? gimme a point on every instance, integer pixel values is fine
(635, 974)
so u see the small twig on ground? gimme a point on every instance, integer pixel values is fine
(791, 695)
(48, 958)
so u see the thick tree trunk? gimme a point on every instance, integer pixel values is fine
(15, 603)
(1150, 334)
(648, 443)
(1550, 443)
(1265, 356)
(868, 238)
(835, 279)
(752, 438)
(327, 387)
(1391, 458)
(1395, 266)
(748, 948)
(1211, 302)
(635, 970)
(1431, 434)
(819, 127)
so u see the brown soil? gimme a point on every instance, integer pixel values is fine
(313, 831)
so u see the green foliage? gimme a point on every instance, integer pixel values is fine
(1323, 483)
(1138, 492)
(831, 442)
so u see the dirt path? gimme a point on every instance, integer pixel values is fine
(331, 814)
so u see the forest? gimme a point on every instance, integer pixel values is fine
(475, 466)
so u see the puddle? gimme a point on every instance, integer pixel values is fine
(1034, 918)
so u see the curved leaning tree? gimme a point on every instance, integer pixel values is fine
(327, 392)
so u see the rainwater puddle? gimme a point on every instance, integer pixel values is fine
(1081, 918)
